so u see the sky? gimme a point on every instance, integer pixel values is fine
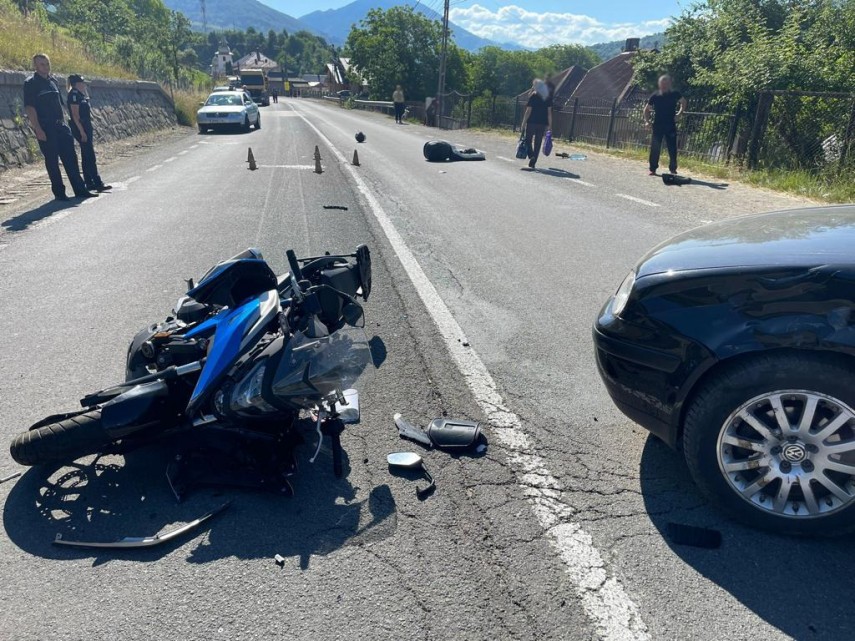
(536, 23)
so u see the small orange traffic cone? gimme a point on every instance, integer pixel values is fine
(355, 159)
(251, 160)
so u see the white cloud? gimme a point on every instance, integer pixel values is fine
(531, 29)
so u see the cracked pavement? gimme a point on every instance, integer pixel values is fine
(523, 261)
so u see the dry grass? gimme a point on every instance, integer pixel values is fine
(186, 106)
(21, 37)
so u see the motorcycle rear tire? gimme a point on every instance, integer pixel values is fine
(64, 441)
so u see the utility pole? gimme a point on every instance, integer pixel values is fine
(204, 16)
(443, 55)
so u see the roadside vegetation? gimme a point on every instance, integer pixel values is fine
(385, 59)
(22, 36)
(824, 188)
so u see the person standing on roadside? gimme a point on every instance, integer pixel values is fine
(81, 129)
(400, 105)
(43, 105)
(667, 105)
(537, 119)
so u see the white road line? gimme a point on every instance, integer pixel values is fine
(505, 159)
(640, 201)
(193, 146)
(155, 168)
(579, 181)
(181, 153)
(286, 166)
(171, 159)
(132, 179)
(606, 603)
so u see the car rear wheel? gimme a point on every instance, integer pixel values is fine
(772, 440)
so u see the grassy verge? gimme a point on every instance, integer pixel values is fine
(829, 188)
(825, 188)
(21, 37)
(187, 104)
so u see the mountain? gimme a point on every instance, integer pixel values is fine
(237, 14)
(608, 50)
(334, 24)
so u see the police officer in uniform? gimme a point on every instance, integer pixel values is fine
(81, 129)
(43, 104)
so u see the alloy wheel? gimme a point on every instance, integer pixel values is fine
(791, 453)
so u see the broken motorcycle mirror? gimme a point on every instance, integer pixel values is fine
(411, 461)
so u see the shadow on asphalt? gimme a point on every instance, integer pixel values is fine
(704, 183)
(114, 497)
(552, 171)
(27, 218)
(803, 587)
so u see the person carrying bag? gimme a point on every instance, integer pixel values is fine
(537, 119)
(522, 147)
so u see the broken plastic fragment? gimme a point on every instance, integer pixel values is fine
(143, 541)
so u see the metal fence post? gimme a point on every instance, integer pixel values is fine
(611, 124)
(731, 136)
(572, 131)
(516, 114)
(758, 130)
(848, 139)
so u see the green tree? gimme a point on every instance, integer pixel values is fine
(397, 46)
(564, 56)
(175, 40)
(729, 49)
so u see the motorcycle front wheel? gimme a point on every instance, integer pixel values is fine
(63, 441)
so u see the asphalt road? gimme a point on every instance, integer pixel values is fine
(487, 280)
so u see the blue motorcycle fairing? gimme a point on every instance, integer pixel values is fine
(230, 327)
(206, 326)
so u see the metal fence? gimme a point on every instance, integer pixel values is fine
(704, 134)
(787, 130)
(803, 130)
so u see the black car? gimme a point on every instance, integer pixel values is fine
(735, 342)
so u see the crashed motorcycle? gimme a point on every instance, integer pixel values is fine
(224, 379)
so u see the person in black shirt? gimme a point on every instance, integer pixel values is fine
(667, 105)
(81, 129)
(537, 119)
(43, 104)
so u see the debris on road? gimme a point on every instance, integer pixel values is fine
(698, 537)
(455, 434)
(341, 207)
(411, 461)
(130, 542)
(674, 179)
(280, 560)
(441, 433)
(251, 160)
(10, 477)
(564, 154)
(360, 137)
(409, 431)
(443, 151)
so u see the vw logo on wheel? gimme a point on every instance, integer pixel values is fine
(794, 453)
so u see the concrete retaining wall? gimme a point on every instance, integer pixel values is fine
(120, 108)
